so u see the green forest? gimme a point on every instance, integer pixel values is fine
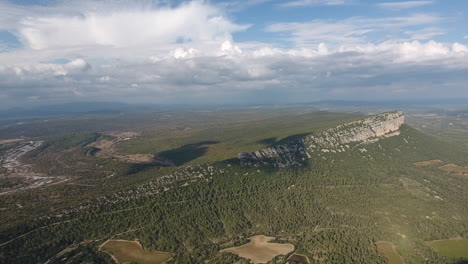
(332, 210)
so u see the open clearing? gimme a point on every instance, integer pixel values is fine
(137, 158)
(455, 169)
(428, 163)
(7, 141)
(259, 250)
(414, 187)
(124, 251)
(452, 248)
(387, 249)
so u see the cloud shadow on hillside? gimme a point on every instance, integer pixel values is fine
(186, 153)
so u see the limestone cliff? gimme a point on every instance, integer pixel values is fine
(338, 139)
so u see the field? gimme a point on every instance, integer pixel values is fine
(452, 248)
(387, 249)
(132, 252)
(447, 122)
(260, 250)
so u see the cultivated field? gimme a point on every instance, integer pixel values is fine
(387, 249)
(124, 251)
(259, 250)
(452, 248)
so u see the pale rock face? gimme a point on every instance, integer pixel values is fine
(365, 131)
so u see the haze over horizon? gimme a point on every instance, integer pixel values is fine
(231, 52)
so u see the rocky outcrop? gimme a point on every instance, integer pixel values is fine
(338, 139)
(283, 155)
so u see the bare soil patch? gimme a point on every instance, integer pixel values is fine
(455, 169)
(427, 163)
(259, 250)
(7, 141)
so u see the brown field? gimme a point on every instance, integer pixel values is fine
(259, 250)
(455, 169)
(427, 163)
(6, 141)
(387, 249)
(125, 251)
(299, 258)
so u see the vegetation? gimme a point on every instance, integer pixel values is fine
(387, 249)
(452, 248)
(333, 210)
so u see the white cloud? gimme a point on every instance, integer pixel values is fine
(404, 5)
(299, 3)
(291, 74)
(425, 33)
(189, 22)
(46, 69)
(355, 30)
(181, 53)
(162, 54)
(227, 48)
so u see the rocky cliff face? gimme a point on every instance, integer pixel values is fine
(338, 139)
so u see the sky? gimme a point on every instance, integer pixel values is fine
(231, 52)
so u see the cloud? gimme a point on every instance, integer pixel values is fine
(189, 22)
(350, 71)
(425, 33)
(46, 69)
(355, 30)
(186, 53)
(404, 5)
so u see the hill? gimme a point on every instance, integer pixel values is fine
(332, 193)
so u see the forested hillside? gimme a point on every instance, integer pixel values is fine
(333, 208)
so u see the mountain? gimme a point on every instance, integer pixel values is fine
(338, 139)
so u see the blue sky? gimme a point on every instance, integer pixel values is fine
(215, 52)
(452, 12)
